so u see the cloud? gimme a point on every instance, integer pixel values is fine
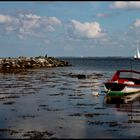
(134, 28)
(30, 16)
(126, 5)
(9, 29)
(85, 30)
(8, 20)
(137, 23)
(102, 15)
(52, 20)
(5, 19)
(29, 24)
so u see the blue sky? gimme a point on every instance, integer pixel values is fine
(69, 28)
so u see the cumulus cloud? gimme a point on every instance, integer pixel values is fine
(8, 20)
(50, 28)
(85, 30)
(30, 16)
(52, 20)
(134, 28)
(5, 19)
(126, 5)
(29, 24)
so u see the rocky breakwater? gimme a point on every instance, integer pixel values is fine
(24, 63)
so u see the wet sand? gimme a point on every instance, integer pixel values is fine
(58, 103)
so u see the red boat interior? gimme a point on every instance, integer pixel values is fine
(117, 77)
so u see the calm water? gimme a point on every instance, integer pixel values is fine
(104, 64)
(55, 103)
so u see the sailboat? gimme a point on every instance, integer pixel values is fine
(137, 54)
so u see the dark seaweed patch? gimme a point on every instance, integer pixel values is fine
(75, 114)
(10, 131)
(94, 114)
(112, 124)
(37, 134)
(7, 97)
(133, 121)
(14, 110)
(79, 94)
(95, 122)
(99, 108)
(8, 103)
(27, 116)
(57, 94)
(51, 109)
(63, 88)
(112, 130)
(84, 104)
(42, 105)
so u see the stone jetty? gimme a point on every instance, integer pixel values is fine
(23, 63)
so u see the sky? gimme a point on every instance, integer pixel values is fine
(69, 28)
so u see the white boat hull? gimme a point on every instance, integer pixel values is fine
(127, 89)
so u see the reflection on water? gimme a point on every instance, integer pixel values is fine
(50, 102)
(129, 103)
(127, 99)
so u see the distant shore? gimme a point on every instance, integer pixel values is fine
(23, 63)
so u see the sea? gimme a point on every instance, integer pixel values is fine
(68, 102)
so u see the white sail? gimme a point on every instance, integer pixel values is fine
(137, 54)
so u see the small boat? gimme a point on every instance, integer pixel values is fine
(123, 82)
(137, 54)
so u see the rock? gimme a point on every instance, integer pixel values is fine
(13, 64)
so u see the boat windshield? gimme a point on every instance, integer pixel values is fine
(129, 75)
